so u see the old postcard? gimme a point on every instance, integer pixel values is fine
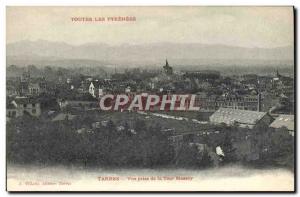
(172, 98)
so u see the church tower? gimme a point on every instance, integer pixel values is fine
(168, 69)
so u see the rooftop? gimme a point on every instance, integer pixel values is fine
(63, 116)
(284, 121)
(25, 100)
(229, 116)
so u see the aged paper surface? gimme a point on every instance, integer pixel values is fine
(150, 98)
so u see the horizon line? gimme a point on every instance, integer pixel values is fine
(146, 43)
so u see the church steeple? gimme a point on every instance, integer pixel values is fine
(168, 69)
(277, 73)
(167, 64)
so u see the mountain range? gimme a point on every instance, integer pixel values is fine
(42, 52)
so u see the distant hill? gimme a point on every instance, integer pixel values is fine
(43, 53)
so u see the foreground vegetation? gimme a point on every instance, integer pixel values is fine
(36, 141)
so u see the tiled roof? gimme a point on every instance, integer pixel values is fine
(284, 121)
(229, 116)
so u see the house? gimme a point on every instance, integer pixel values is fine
(11, 110)
(264, 83)
(203, 85)
(79, 102)
(11, 89)
(22, 105)
(96, 88)
(23, 88)
(34, 88)
(244, 118)
(269, 101)
(281, 83)
(92, 88)
(84, 87)
(286, 121)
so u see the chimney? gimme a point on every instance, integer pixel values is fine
(258, 102)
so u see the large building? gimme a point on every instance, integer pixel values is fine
(213, 102)
(284, 121)
(20, 106)
(242, 118)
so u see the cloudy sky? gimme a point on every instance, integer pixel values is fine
(266, 27)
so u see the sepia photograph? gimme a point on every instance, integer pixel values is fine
(150, 99)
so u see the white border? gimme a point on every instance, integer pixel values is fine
(153, 2)
(5, 3)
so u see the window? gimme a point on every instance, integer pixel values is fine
(25, 105)
(33, 104)
(34, 111)
(13, 113)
